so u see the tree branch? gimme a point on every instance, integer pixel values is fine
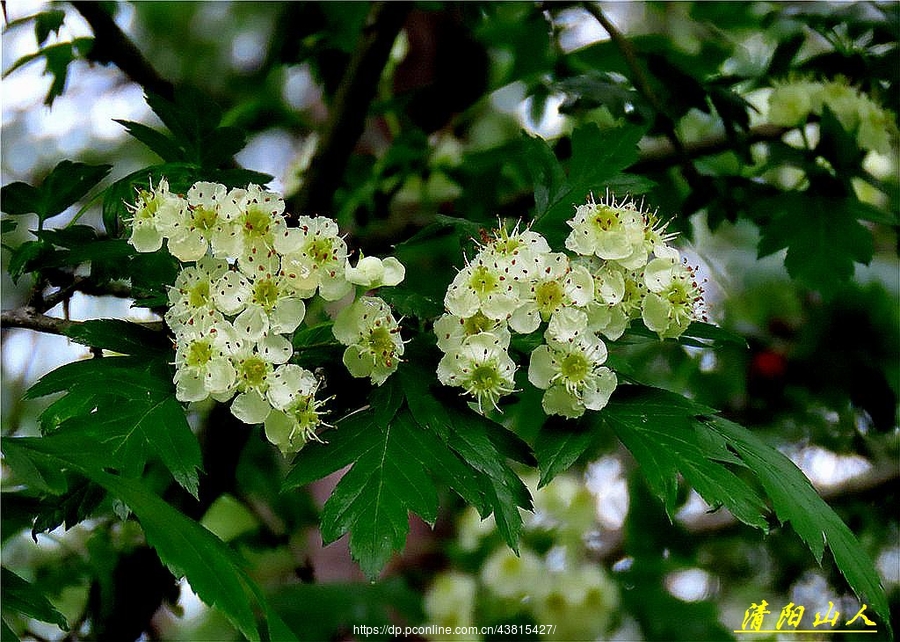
(659, 158)
(31, 319)
(348, 111)
(111, 45)
(69, 285)
(643, 86)
(709, 524)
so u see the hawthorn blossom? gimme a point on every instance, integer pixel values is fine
(153, 215)
(314, 257)
(572, 375)
(481, 367)
(372, 337)
(205, 224)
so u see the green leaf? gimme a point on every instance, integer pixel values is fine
(47, 22)
(57, 58)
(7, 225)
(407, 302)
(122, 376)
(20, 198)
(697, 335)
(558, 445)
(822, 236)
(660, 430)
(161, 144)
(597, 156)
(130, 434)
(373, 499)
(220, 146)
(470, 436)
(213, 570)
(67, 183)
(119, 336)
(325, 611)
(21, 597)
(70, 508)
(122, 410)
(64, 186)
(28, 257)
(796, 501)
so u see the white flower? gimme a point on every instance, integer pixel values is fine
(201, 360)
(566, 324)
(514, 576)
(371, 272)
(154, 214)
(253, 376)
(264, 304)
(557, 285)
(610, 320)
(295, 414)
(206, 221)
(517, 255)
(674, 299)
(481, 286)
(451, 331)
(252, 223)
(450, 602)
(790, 104)
(192, 295)
(482, 367)
(572, 375)
(372, 335)
(609, 230)
(314, 257)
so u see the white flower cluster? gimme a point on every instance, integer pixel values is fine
(791, 103)
(621, 268)
(562, 586)
(242, 294)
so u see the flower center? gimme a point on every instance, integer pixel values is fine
(265, 294)
(381, 343)
(198, 296)
(150, 205)
(320, 249)
(204, 218)
(198, 354)
(574, 368)
(507, 246)
(253, 371)
(256, 222)
(548, 296)
(485, 379)
(483, 281)
(605, 218)
(477, 323)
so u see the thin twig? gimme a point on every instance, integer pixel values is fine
(111, 45)
(350, 106)
(80, 284)
(643, 86)
(710, 524)
(661, 157)
(30, 319)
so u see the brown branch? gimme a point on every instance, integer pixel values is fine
(30, 319)
(709, 524)
(661, 157)
(111, 45)
(69, 285)
(643, 87)
(348, 111)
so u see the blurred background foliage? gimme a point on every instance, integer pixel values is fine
(441, 155)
